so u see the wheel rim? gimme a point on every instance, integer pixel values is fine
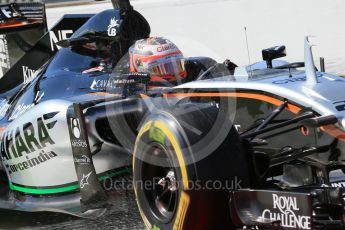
(162, 196)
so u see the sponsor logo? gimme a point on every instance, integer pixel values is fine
(292, 80)
(19, 110)
(76, 131)
(112, 28)
(6, 11)
(166, 47)
(82, 160)
(31, 162)
(75, 127)
(28, 74)
(27, 139)
(285, 210)
(238, 127)
(110, 84)
(79, 143)
(339, 184)
(85, 180)
(140, 47)
(340, 106)
(56, 37)
(4, 106)
(22, 108)
(4, 56)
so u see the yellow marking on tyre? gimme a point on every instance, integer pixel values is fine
(155, 228)
(182, 210)
(143, 130)
(157, 135)
(178, 151)
(185, 199)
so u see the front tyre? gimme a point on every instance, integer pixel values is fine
(172, 190)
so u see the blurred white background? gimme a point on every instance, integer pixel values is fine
(216, 27)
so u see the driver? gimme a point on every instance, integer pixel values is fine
(160, 58)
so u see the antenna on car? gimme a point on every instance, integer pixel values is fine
(310, 71)
(247, 43)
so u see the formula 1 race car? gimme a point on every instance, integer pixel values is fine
(260, 147)
(62, 94)
(45, 147)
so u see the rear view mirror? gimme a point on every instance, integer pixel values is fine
(73, 42)
(273, 53)
(320, 121)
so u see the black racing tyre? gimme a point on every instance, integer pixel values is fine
(172, 190)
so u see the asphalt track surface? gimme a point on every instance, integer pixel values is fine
(123, 214)
(210, 28)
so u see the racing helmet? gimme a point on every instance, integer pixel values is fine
(160, 58)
